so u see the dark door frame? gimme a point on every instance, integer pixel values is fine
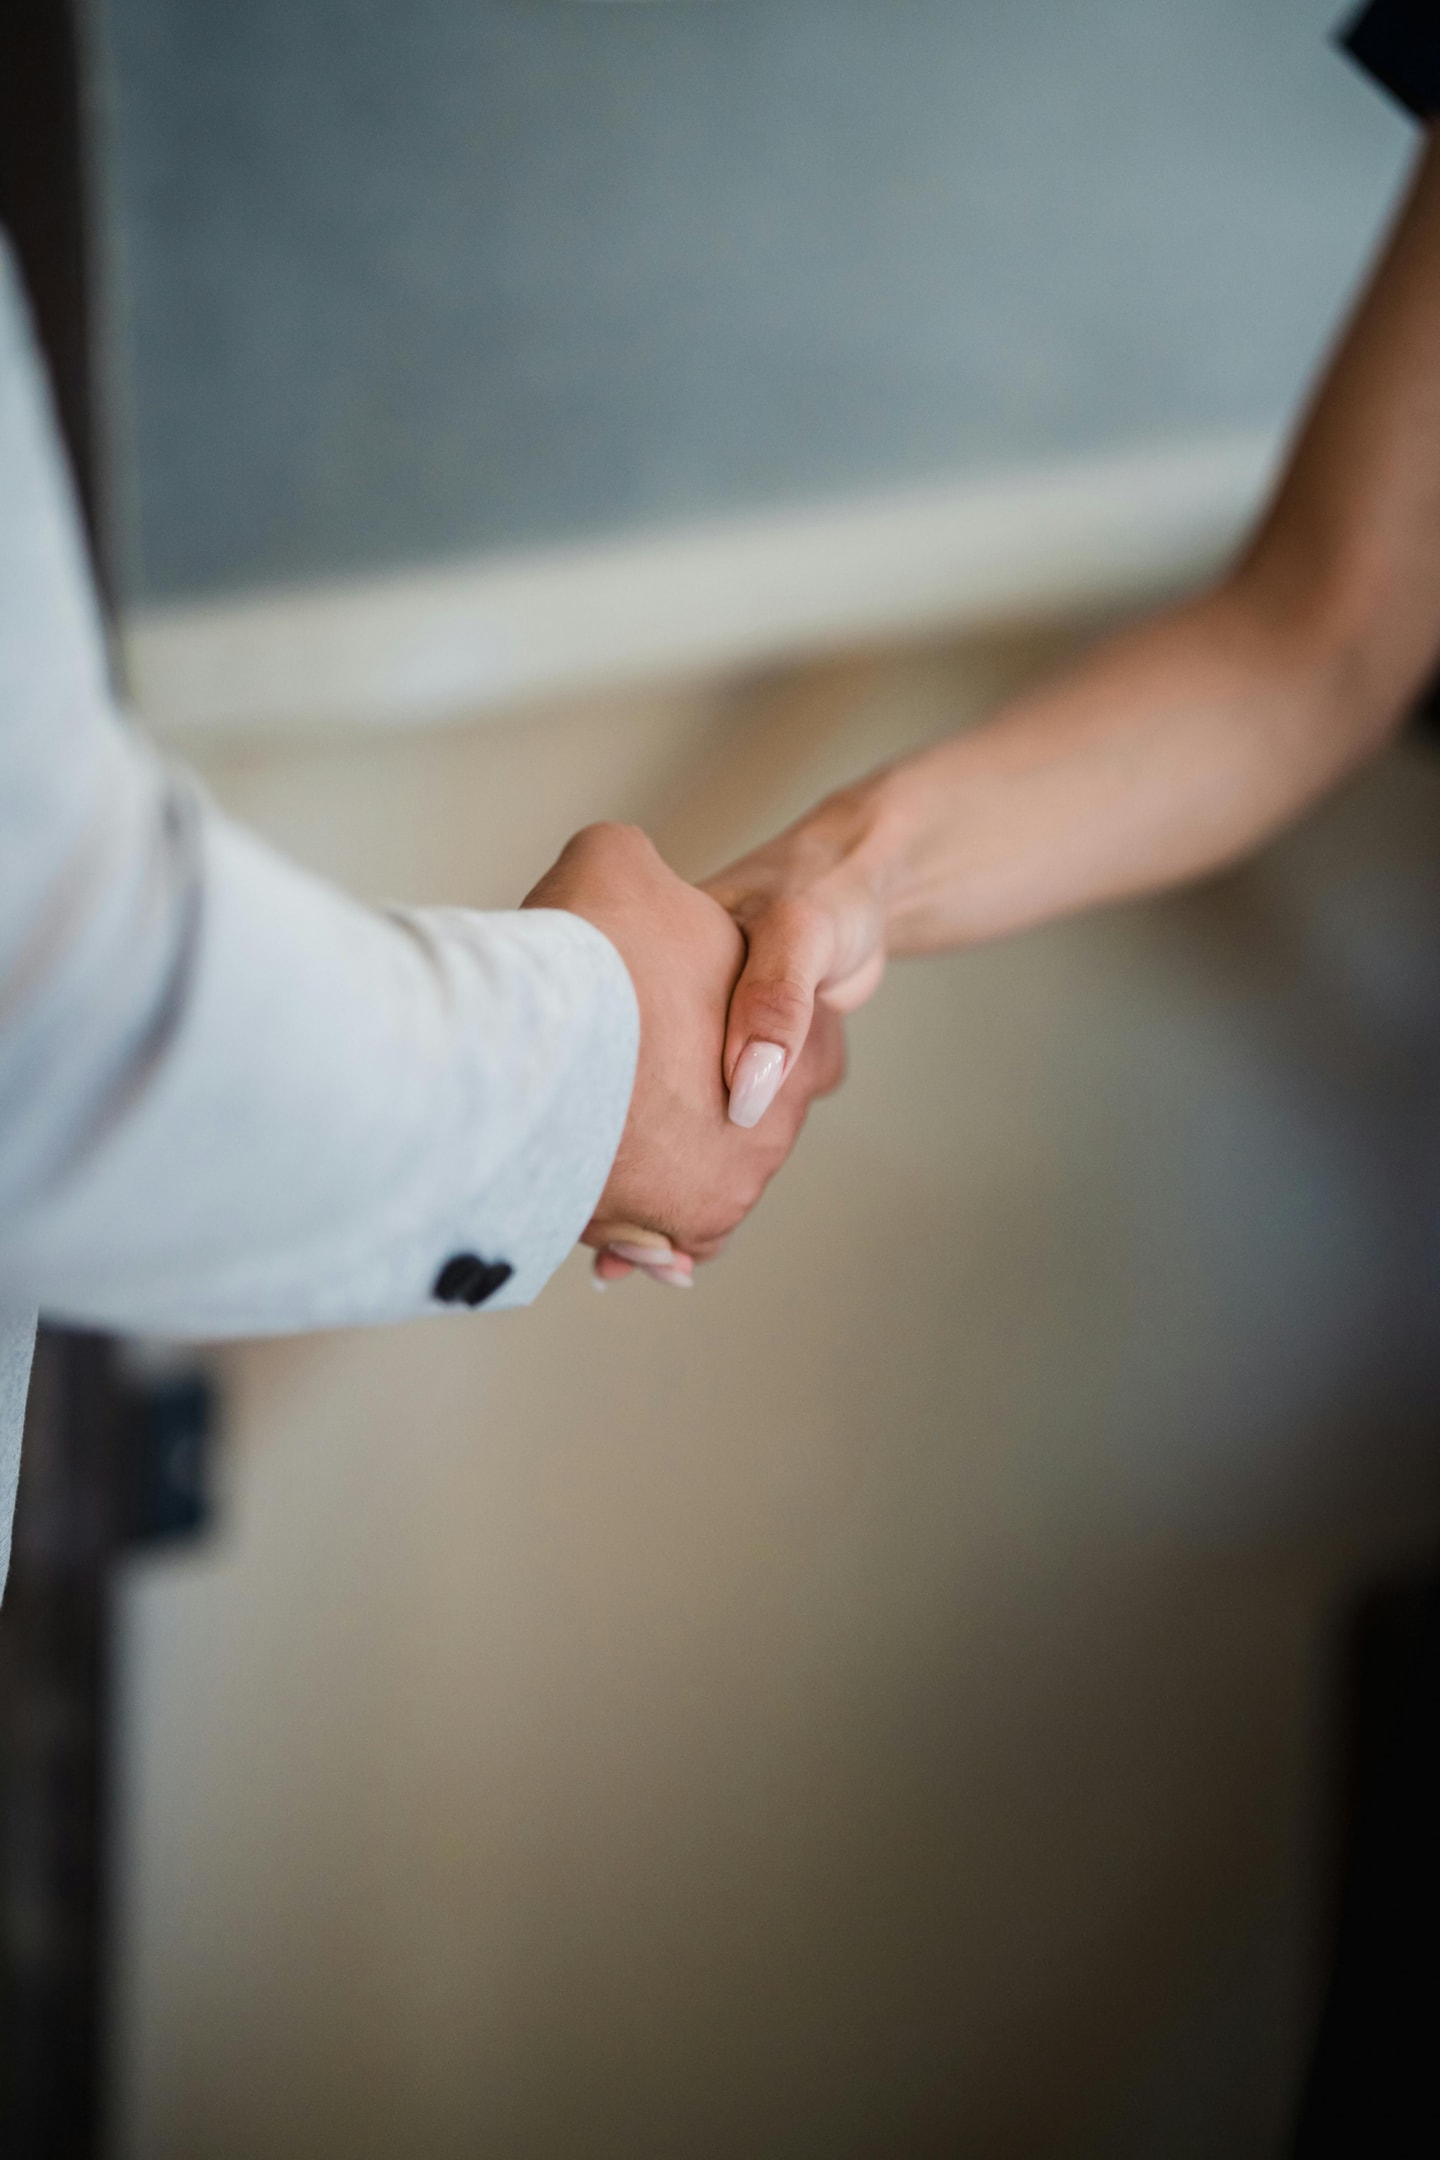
(55, 1624)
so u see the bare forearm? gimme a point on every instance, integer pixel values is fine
(1164, 755)
(1169, 751)
(1181, 745)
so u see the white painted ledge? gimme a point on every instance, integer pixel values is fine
(468, 638)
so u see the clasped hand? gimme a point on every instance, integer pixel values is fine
(686, 1172)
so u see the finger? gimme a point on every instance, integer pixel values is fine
(851, 991)
(648, 1244)
(823, 1063)
(791, 950)
(674, 1269)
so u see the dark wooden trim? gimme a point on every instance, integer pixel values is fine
(55, 1696)
(44, 199)
(55, 1630)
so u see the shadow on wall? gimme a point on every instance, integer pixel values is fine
(866, 1707)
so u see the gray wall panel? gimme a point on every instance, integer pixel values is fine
(395, 282)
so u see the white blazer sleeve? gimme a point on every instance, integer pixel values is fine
(233, 1100)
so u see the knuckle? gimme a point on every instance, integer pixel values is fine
(711, 1230)
(726, 1212)
(795, 926)
(608, 835)
(831, 1054)
(781, 1004)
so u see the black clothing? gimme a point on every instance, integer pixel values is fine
(1398, 41)
(1372, 2092)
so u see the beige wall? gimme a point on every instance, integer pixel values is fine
(870, 1706)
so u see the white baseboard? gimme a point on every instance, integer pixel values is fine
(464, 639)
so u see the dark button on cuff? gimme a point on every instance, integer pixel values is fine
(469, 1280)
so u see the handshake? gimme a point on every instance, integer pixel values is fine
(735, 1044)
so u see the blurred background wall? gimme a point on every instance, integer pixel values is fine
(400, 282)
(880, 1704)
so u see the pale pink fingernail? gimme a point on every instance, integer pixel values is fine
(756, 1082)
(598, 1282)
(643, 1255)
(677, 1278)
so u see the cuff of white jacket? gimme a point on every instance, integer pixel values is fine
(344, 1107)
(534, 1204)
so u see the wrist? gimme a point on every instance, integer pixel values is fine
(897, 826)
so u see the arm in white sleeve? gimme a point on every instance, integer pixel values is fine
(233, 1100)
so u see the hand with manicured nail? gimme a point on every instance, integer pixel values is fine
(1163, 753)
(810, 903)
(685, 1174)
(755, 1082)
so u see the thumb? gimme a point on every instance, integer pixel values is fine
(792, 951)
